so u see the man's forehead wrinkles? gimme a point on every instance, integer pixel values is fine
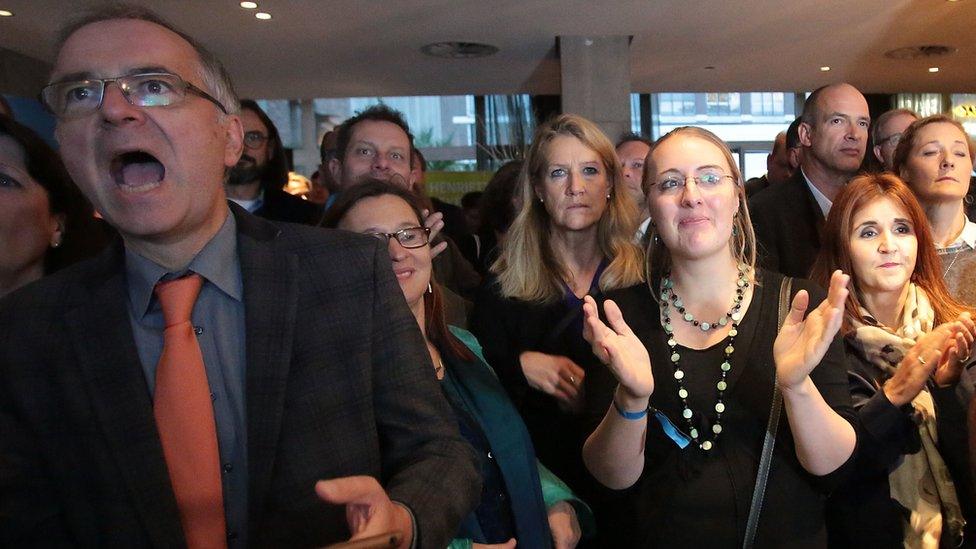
(117, 47)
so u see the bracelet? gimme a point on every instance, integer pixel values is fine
(629, 415)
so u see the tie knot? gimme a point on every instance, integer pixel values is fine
(177, 297)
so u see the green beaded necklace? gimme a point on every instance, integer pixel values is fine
(668, 299)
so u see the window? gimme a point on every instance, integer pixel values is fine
(767, 104)
(677, 104)
(722, 104)
(635, 114)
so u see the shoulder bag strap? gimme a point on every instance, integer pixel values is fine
(767, 451)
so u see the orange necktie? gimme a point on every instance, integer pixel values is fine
(185, 419)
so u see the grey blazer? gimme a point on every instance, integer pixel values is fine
(338, 383)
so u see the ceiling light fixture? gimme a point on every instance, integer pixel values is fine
(933, 69)
(6, 13)
(459, 50)
(920, 52)
(824, 68)
(249, 5)
(264, 16)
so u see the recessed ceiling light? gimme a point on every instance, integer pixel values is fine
(264, 16)
(933, 69)
(249, 5)
(6, 13)
(824, 68)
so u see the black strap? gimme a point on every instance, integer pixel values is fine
(770, 441)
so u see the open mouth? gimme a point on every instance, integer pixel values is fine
(137, 170)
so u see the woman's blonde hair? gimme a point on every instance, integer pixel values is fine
(743, 239)
(528, 269)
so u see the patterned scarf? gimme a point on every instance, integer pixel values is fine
(921, 483)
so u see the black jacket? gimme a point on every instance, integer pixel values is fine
(788, 224)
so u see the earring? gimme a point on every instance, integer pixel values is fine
(541, 201)
(430, 288)
(608, 196)
(657, 239)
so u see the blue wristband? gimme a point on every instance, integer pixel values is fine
(629, 415)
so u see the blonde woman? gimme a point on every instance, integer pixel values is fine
(692, 357)
(571, 238)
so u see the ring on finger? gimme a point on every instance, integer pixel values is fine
(572, 379)
(921, 360)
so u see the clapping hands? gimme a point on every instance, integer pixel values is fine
(802, 342)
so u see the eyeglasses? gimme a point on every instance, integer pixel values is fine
(82, 97)
(409, 238)
(254, 139)
(706, 180)
(893, 139)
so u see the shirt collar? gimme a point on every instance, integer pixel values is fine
(967, 237)
(820, 197)
(252, 205)
(217, 263)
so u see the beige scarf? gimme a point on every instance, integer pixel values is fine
(921, 483)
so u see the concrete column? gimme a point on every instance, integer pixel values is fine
(595, 74)
(306, 159)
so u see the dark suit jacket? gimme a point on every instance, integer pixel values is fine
(338, 383)
(788, 223)
(281, 206)
(756, 184)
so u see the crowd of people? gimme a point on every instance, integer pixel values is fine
(613, 345)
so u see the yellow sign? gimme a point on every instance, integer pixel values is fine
(451, 186)
(965, 111)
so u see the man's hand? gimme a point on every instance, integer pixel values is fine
(369, 512)
(564, 525)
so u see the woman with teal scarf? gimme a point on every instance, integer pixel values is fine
(522, 503)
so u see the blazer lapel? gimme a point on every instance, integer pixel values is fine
(812, 208)
(101, 336)
(270, 303)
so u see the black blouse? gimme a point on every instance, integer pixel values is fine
(691, 498)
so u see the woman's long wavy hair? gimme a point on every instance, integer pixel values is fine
(528, 268)
(836, 250)
(742, 241)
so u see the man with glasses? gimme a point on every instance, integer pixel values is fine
(886, 133)
(789, 218)
(257, 182)
(192, 385)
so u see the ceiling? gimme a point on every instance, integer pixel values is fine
(343, 48)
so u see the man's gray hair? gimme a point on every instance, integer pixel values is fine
(887, 115)
(212, 73)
